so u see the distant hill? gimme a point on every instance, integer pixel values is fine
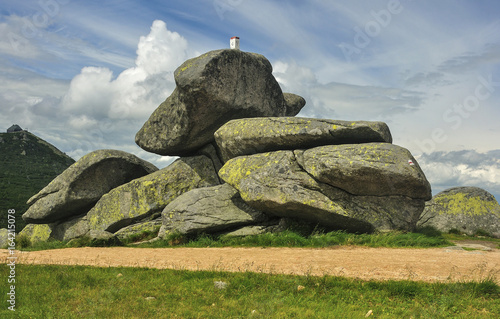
(27, 164)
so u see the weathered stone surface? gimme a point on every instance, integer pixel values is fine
(208, 210)
(294, 103)
(74, 228)
(147, 195)
(101, 238)
(274, 183)
(137, 229)
(384, 213)
(248, 231)
(272, 226)
(211, 89)
(211, 152)
(80, 186)
(259, 135)
(36, 232)
(373, 169)
(466, 209)
(4, 237)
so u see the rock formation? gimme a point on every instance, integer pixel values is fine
(265, 134)
(208, 210)
(143, 197)
(252, 166)
(80, 186)
(210, 90)
(470, 210)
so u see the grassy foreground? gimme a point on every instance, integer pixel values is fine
(425, 238)
(89, 292)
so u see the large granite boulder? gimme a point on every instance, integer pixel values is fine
(373, 169)
(208, 210)
(139, 229)
(469, 210)
(212, 89)
(4, 236)
(36, 232)
(293, 103)
(277, 184)
(384, 213)
(259, 135)
(63, 231)
(82, 184)
(148, 195)
(70, 229)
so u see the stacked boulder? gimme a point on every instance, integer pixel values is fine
(247, 165)
(335, 174)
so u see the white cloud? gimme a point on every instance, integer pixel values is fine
(137, 91)
(161, 50)
(90, 93)
(16, 38)
(97, 110)
(462, 168)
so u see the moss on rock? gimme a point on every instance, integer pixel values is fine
(260, 135)
(145, 196)
(79, 187)
(37, 232)
(368, 169)
(467, 209)
(210, 90)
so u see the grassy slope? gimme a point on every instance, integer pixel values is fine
(22, 176)
(88, 292)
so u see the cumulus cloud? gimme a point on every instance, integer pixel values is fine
(97, 108)
(137, 91)
(113, 109)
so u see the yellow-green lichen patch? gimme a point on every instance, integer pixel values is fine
(37, 232)
(150, 194)
(183, 68)
(460, 203)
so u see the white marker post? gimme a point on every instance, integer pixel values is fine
(234, 43)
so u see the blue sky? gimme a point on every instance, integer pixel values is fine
(85, 75)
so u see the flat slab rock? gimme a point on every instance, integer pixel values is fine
(260, 135)
(212, 89)
(81, 185)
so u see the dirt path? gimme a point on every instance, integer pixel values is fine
(439, 264)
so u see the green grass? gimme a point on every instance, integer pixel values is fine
(89, 292)
(460, 237)
(422, 239)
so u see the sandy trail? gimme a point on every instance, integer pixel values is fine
(437, 264)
